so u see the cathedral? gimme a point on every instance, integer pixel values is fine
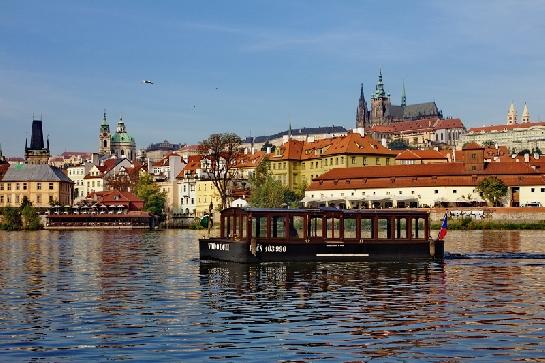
(120, 144)
(382, 112)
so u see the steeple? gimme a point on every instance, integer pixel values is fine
(379, 88)
(512, 115)
(361, 111)
(525, 114)
(120, 125)
(403, 96)
(289, 131)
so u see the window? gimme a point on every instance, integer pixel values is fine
(9, 186)
(387, 161)
(25, 186)
(50, 186)
(377, 161)
(454, 191)
(38, 199)
(353, 159)
(259, 227)
(384, 228)
(532, 189)
(364, 160)
(39, 186)
(333, 228)
(17, 186)
(350, 227)
(436, 191)
(366, 225)
(17, 199)
(296, 227)
(417, 227)
(315, 227)
(542, 190)
(1, 199)
(278, 227)
(401, 228)
(1, 186)
(474, 156)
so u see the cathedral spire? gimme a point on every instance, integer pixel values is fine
(512, 114)
(379, 88)
(403, 96)
(525, 114)
(104, 119)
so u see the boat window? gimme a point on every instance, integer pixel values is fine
(350, 227)
(333, 228)
(278, 228)
(243, 227)
(315, 227)
(366, 225)
(226, 227)
(296, 228)
(384, 228)
(401, 228)
(417, 228)
(233, 224)
(259, 227)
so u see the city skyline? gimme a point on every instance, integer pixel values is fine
(255, 67)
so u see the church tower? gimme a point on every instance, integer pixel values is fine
(362, 115)
(512, 115)
(104, 137)
(403, 96)
(525, 114)
(37, 153)
(380, 104)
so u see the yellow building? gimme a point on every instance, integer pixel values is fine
(41, 184)
(297, 163)
(206, 193)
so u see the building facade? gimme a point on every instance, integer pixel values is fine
(40, 184)
(120, 144)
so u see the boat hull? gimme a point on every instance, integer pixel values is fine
(242, 251)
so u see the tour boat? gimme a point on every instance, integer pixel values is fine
(324, 234)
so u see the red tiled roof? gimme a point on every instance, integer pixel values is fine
(422, 154)
(193, 163)
(497, 128)
(472, 146)
(425, 175)
(354, 143)
(115, 197)
(251, 160)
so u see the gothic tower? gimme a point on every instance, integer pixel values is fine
(104, 137)
(37, 153)
(380, 104)
(512, 115)
(525, 114)
(362, 115)
(403, 96)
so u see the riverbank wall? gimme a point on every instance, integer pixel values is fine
(492, 214)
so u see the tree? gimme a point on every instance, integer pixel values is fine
(489, 143)
(30, 218)
(12, 219)
(492, 189)
(398, 144)
(267, 192)
(124, 182)
(147, 190)
(221, 153)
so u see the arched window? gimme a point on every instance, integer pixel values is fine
(105, 143)
(122, 152)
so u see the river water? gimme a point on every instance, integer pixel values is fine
(145, 296)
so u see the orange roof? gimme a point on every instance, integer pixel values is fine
(424, 175)
(354, 143)
(498, 128)
(114, 197)
(422, 154)
(193, 163)
(472, 146)
(251, 160)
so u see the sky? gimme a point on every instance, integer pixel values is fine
(253, 67)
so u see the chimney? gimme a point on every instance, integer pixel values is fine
(526, 158)
(268, 149)
(384, 143)
(253, 150)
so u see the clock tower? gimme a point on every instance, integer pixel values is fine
(104, 137)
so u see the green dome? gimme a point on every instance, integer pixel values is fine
(122, 138)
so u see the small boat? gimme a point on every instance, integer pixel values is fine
(325, 234)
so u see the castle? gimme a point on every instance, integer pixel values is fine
(382, 111)
(120, 144)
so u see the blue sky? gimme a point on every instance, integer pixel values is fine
(271, 62)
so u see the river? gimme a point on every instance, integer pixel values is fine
(145, 296)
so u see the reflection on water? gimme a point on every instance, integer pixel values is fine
(104, 295)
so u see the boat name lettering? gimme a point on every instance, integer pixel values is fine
(218, 246)
(271, 248)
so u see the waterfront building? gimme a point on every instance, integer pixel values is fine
(120, 144)
(206, 195)
(383, 112)
(165, 173)
(37, 152)
(41, 184)
(297, 163)
(187, 181)
(426, 185)
(77, 174)
(517, 137)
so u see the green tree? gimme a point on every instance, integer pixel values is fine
(154, 198)
(12, 219)
(30, 218)
(489, 143)
(492, 189)
(398, 144)
(221, 153)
